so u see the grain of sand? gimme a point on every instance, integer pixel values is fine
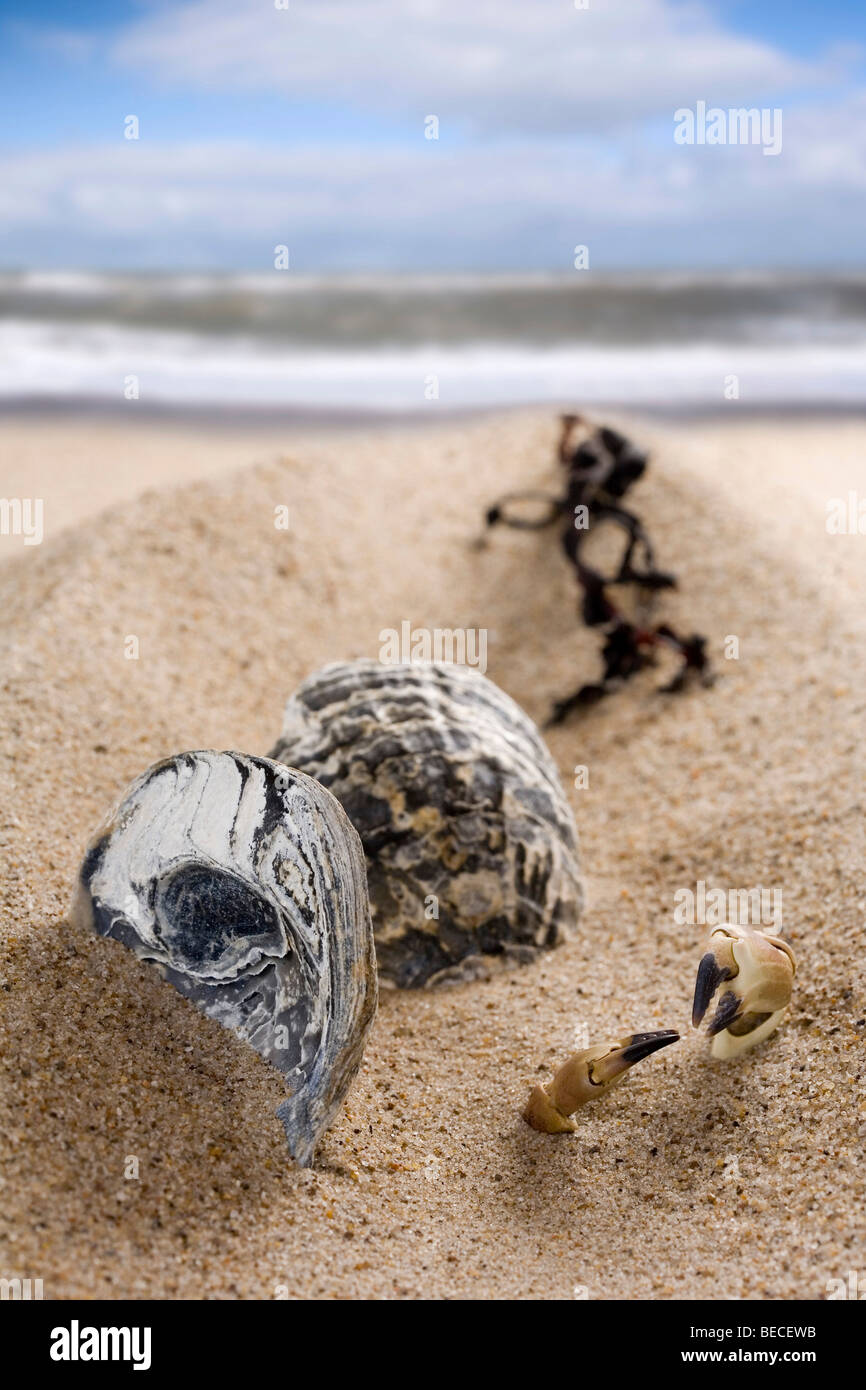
(694, 1179)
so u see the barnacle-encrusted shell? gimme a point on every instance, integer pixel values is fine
(458, 804)
(244, 883)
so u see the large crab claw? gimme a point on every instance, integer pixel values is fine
(586, 1076)
(758, 968)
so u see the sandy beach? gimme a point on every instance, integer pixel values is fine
(696, 1179)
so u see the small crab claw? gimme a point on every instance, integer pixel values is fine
(760, 967)
(586, 1076)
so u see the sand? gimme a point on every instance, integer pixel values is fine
(695, 1178)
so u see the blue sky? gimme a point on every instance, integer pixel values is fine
(801, 26)
(306, 128)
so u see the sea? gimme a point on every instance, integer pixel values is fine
(412, 343)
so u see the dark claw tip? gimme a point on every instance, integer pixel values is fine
(641, 1045)
(710, 976)
(726, 1013)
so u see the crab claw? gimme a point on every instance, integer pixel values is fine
(586, 1076)
(760, 967)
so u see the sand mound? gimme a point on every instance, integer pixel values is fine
(429, 1184)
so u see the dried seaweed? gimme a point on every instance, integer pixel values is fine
(600, 469)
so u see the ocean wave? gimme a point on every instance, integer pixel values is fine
(359, 312)
(96, 362)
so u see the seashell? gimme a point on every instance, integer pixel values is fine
(459, 808)
(243, 882)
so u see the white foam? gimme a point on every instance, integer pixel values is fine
(92, 361)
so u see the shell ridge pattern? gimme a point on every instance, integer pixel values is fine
(249, 896)
(457, 802)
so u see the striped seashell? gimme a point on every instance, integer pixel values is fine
(243, 882)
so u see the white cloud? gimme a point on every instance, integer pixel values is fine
(516, 203)
(565, 119)
(492, 66)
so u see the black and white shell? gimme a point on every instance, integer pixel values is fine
(243, 882)
(471, 845)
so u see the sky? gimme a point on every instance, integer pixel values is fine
(306, 127)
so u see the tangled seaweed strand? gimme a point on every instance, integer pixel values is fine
(599, 472)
